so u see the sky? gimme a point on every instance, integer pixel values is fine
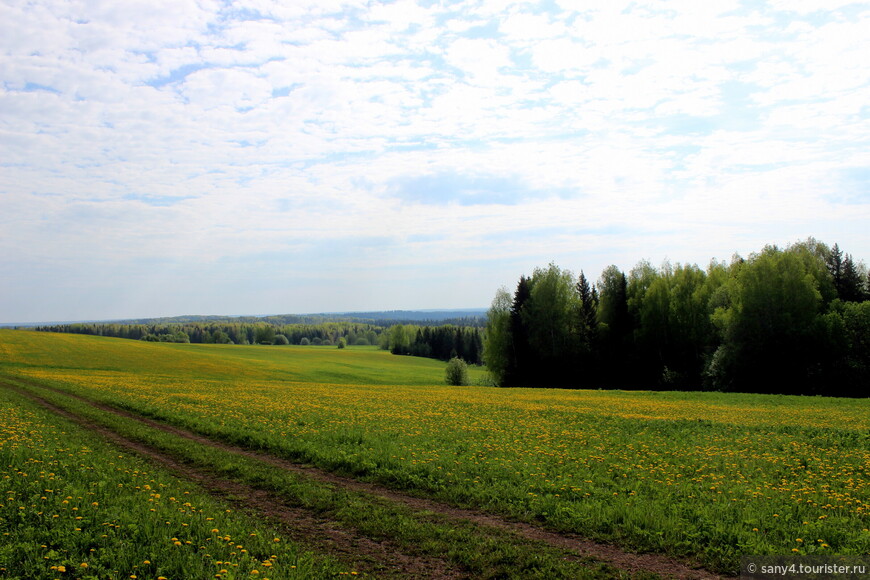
(168, 157)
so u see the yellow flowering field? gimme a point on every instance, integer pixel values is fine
(71, 507)
(708, 476)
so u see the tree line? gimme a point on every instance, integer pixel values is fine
(792, 320)
(440, 342)
(327, 333)
(384, 319)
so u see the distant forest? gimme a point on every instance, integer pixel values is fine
(384, 318)
(791, 321)
(442, 342)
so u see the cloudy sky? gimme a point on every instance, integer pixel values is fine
(165, 157)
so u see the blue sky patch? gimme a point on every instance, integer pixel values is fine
(157, 200)
(448, 188)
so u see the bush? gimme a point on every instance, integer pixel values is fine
(457, 372)
(280, 339)
(304, 341)
(342, 342)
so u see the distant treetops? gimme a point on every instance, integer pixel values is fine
(443, 341)
(791, 321)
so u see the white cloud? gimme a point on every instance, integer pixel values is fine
(200, 133)
(480, 58)
(211, 88)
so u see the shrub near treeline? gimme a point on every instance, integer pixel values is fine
(792, 321)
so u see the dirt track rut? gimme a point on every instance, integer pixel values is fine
(342, 540)
(361, 553)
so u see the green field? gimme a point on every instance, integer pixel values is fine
(704, 477)
(74, 507)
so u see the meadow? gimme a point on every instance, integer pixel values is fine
(73, 507)
(704, 477)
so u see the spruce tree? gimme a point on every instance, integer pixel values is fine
(518, 372)
(851, 287)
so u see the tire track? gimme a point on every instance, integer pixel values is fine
(630, 562)
(318, 533)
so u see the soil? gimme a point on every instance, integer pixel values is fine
(381, 558)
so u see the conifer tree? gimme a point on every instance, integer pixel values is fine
(851, 287)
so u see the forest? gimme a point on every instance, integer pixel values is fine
(792, 320)
(441, 342)
(253, 332)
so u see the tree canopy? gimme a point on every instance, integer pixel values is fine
(783, 320)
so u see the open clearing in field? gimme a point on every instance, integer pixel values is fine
(701, 476)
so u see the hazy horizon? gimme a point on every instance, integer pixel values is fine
(170, 157)
(247, 315)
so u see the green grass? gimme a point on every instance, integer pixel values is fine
(360, 365)
(705, 476)
(480, 553)
(75, 507)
